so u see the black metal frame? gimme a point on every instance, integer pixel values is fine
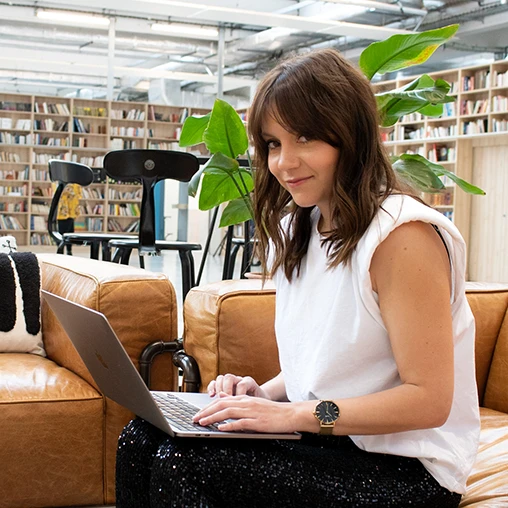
(182, 360)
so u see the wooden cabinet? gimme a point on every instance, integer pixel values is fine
(35, 129)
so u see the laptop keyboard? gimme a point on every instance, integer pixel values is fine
(179, 413)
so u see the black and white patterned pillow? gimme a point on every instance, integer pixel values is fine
(20, 304)
(8, 244)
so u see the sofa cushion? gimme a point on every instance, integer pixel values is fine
(20, 305)
(226, 332)
(53, 417)
(487, 486)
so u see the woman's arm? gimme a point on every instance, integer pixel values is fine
(410, 271)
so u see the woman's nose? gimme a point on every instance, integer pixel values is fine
(288, 158)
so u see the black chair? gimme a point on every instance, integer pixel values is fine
(63, 173)
(150, 167)
(60, 171)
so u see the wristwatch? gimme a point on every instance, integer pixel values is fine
(327, 413)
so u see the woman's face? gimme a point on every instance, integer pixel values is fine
(304, 167)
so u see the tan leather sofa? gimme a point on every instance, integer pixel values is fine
(58, 434)
(229, 328)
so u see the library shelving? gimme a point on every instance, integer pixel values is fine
(480, 109)
(36, 128)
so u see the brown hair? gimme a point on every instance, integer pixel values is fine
(321, 96)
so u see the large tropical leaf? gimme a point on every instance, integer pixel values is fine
(400, 51)
(410, 166)
(225, 131)
(193, 130)
(218, 187)
(236, 212)
(415, 96)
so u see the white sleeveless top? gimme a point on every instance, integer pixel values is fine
(333, 343)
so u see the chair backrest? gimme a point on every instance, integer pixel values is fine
(149, 167)
(64, 172)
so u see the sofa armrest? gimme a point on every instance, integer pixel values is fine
(140, 306)
(229, 327)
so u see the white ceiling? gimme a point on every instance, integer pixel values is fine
(56, 58)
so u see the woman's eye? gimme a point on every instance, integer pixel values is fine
(303, 139)
(272, 144)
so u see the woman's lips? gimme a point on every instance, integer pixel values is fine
(297, 181)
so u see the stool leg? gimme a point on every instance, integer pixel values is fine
(106, 251)
(232, 259)
(94, 250)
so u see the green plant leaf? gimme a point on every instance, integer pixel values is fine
(236, 212)
(221, 163)
(416, 169)
(403, 50)
(192, 189)
(193, 130)
(434, 110)
(218, 187)
(437, 169)
(225, 132)
(414, 96)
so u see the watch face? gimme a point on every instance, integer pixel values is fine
(327, 411)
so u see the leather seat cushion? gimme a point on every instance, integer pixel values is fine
(488, 483)
(50, 417)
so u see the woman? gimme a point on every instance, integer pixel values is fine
(374, 332)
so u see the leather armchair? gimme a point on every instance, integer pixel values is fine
(229, 328)
(58, 433)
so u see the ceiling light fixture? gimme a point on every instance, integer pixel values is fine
(183, 29)
(72, 17)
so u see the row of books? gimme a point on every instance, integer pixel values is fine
(163, 145)
(38, 223)
(117, 194)
(412, 118)
(86, 209)
(172, 117)
(41, 239)
(90, 111)
(441, 131)
(40, 208)
(116, 226)
(127, 131)
(93, 162)
(92, 193)
(125, 210)
(15, 106)
(40, 175)
(48, 124)
(500, 78)
(22, 124)
(474, 107)
(131, 114)
(19, 207)
(479, 126)
(10, 223)
(89, 224)
(40, 139)
(480, 79)
(44, 158)
(52, 108)
(21, 174)
(406, 132)
(15, 139)
(124, 144)
(499, 104)
(10, 157)
(46, 192)
(441, 153)
(499, 125)
(174, 134)
(14, 190)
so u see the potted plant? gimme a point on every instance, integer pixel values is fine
(223, 180)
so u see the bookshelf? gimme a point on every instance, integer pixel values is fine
(36, 128)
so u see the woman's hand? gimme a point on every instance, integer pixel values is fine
(248, 413)
(229, 384)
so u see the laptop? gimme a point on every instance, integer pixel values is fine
(115, 375)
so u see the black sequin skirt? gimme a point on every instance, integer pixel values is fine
(154, 470)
